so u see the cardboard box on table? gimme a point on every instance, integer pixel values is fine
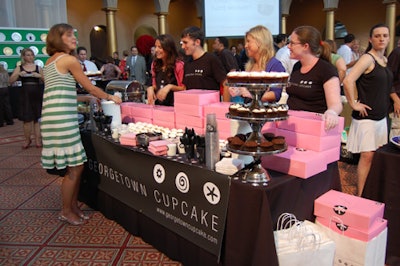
(310, 147)
(339, 227)
(141, 110)
(309, 123)
(192, 102)
(352, 210)
(219, 109)
(128, 139)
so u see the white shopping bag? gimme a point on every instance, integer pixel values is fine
(354, 252)
(300, 243)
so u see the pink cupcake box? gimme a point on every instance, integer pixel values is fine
(219, 109)
(196, 97)
(310, 142)
(189, 121)
(189, 109)
(164, 113)
(141, 110)
(300, 163)
(353, 211)
(309, 123)
(339, 227)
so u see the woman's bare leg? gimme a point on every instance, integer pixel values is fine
(364, 165)
(69, 186)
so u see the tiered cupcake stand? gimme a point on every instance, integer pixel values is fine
(254, 173)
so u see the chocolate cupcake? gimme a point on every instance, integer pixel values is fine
(283, 110)
(259, 113)
(250, 146)
(233, 108)
(266, 146)
(279, 142)
(268, 136)
(235, 142)
(243, 111)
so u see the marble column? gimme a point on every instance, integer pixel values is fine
(329, 7)
(110, 7)
(161, 7)
(111, 30)
(285, 7)
(391, 22)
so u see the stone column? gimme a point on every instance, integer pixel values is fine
(285, 7)
(162, 12)
(329, 7)
(110, 7)
(391, 22)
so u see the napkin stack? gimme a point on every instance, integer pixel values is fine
(158, 147)
(229, 166)
(128, 139)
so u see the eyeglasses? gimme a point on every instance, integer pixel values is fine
(293, 43)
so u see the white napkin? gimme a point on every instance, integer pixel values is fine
(229, 166)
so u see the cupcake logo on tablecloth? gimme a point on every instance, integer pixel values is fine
(182, 182)
(211, 193)
(159, 173)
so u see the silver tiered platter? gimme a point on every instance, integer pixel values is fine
(254, 173)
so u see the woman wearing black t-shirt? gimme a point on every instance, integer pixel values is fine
(314, 82)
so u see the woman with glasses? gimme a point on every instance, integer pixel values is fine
(314, 83)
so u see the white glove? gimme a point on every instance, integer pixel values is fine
(331, 119)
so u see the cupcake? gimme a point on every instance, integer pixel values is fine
(283, 110)
(259, 113)
(235, 142)
(270, 113)
(243, 137)
(243, 111)
(233, 108)
(266, 146)
(268, 136)
(250, 145)
(279, 142)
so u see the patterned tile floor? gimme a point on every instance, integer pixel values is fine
(30, 233)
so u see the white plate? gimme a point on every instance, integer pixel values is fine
(4, 63)
(2, 37)
(39, 63)
(43, 37)
(7, 51)
(396, 141)
(19, 50)
(34, 49)
(44, 51)
(16, 37)
(30, 37)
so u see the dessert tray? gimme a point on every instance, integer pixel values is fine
(254, 173)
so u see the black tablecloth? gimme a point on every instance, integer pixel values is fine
(251, 218)
(383, 185)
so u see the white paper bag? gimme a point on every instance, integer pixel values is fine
(301, 243)
(354, 252)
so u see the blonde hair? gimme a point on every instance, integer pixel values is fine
(23, 53)
(265, 42)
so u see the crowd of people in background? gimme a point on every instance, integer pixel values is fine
(348, 74)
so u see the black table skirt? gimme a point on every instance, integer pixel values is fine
(383, 185)
(251, 218)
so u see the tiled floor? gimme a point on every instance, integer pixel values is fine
(30, 233)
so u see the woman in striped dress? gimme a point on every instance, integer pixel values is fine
(62, 146)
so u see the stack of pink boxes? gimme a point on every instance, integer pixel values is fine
(356, 225)
(224, 124)
(164, 116)
(189, 108)
(158, 147)
(126, 112)
(350, 215)
(141, 112)
(310, 147)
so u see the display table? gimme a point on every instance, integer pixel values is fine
(383, 185)
(251, 216)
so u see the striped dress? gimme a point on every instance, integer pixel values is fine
(59, 126)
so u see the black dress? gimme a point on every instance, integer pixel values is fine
(31, 97)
